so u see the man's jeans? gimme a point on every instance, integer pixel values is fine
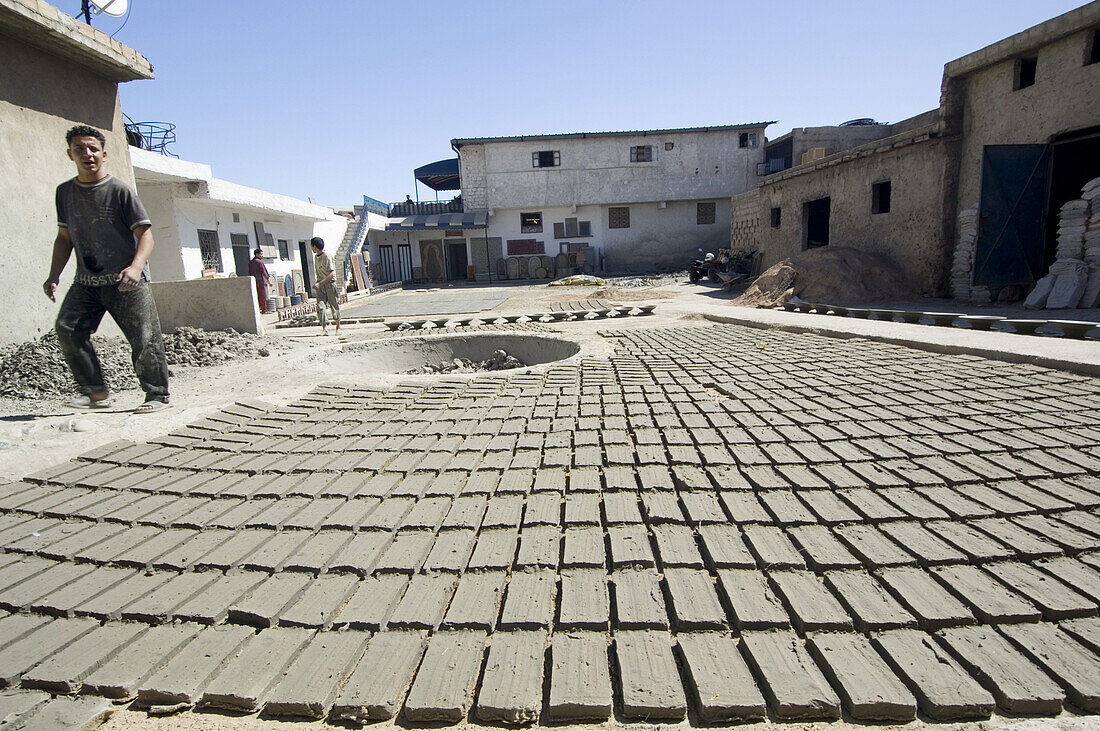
(136, 315)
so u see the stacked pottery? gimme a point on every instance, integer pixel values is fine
(962, 267)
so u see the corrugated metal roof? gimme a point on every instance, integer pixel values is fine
(439, 222)
(459, 141)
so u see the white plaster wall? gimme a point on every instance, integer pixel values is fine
(597, 170)
(506, 224)
(663, 238)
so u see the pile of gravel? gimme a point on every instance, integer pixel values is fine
(36, 369)
(498, 361)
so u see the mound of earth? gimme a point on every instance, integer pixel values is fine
(836, 275)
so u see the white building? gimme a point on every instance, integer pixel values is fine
(203, 224)
(614, 201)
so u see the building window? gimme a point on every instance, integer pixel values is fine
(530, 223)
(641, 153)
(1093, 52)
(236, 218)
(546, 159)
(776, 216)
(746, 139)
(618, 217)
(210, 250)
(704, 212)
(1025, 72)
(284, 250)
(880, 197)
(572, 228)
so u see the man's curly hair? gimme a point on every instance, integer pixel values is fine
(83, 130)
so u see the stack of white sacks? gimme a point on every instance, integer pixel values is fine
(964, 253)
(1074, 278)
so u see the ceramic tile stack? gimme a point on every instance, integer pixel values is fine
(963, 266)
(1091, 194)
(1064, 285)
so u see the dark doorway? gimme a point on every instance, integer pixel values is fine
(404, 262)
(1010, 247)
(385, 263)
(307, 256)
(815, 223)
(241, 254)
(456, 259)
(1073, 162)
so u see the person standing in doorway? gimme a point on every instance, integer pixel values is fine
(103, 221)
(258, 271)
(325, 289)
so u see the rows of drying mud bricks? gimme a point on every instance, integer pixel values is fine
(717, 523)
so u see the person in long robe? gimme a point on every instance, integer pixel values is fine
(258, 271)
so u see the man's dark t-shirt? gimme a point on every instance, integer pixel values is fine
(101, 218)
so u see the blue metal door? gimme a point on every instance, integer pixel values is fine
(1011, 239)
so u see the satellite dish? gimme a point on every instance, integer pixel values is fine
(117, 8)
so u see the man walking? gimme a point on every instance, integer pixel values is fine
(102, 220)
(326, 285)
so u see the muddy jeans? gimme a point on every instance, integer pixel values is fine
(326, 295)
(136, 315)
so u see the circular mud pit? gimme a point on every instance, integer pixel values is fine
(439, 355)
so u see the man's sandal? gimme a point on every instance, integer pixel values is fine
(150, 407)
(87, 402)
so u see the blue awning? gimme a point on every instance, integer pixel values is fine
(439, 175)
(475, 220)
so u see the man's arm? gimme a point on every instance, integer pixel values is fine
(131, 275)
(62, 250)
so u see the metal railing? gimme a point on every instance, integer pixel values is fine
(774, 165)
(425, 209)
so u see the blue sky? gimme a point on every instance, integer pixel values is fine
(340, 98)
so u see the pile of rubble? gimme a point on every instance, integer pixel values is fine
(498, 361)
(1074, 278)
(36, 369)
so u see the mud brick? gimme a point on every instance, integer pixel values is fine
(155, 607)
(870, 505)
(694, 602)
(1017, 685)
(444, 685)
(503, 511)
(182, 552)
(583, 480)
(427, 513)
(722, 682)
(584, 547)
(944, 690)
(576, 696)
(308, 688)
(529, 603)
(724, 547)
(80, 536)
(821, 548)
(584, 603)
(621, 508)
(350, 514)
(476, 602)
(511, 686)
(495, 549)
(381, 484)
(1086, 631)
(317, 551)
(19, 655)
(828, 507)
(618, 479)
(1055, 465)
(977, 546)
(64, 672)
(104, 596)
(317, 605)
(32, 579)
(751, 601)
(998, 502)
(360, 553)
(516, 482)
(543, 508)
(236, 548)
(539, 546)
(872, 547)
(868, 602)
(991, 601)
(466, 512)
(702, 508)
(370, 606)
(424, 602)
(930, 603)
(792, 683)
(928, 548)
(266, 602)
(913, 504)
(582, 509)
(1024, 543)
(676, 546)
(406, 553)
(785, 508)
(811, 605)
(771, 547)
(313, 514)
(451, 551)
(649, 678)
(869, 689)
(1054, 598)
(655, 477)
(185, 676)
(743, 507)
(639, 602)
(243, 683)
(31, 542)
(630, 546)
(1067, 489)
(1082, 577)
(1068, 537)
(211, 605)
